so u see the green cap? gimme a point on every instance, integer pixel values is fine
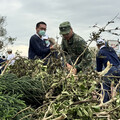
(65, 28)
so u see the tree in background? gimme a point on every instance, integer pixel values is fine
(4, 40)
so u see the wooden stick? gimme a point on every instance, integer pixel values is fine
(22, 111)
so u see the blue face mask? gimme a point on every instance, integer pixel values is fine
(41, 32)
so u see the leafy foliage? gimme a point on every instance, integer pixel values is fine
(10, 100)
(55, 93)
(58, 94)
(4, 41)
(10, 105)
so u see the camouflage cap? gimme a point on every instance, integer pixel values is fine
(65, 27)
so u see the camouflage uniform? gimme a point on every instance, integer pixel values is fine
(73, 48)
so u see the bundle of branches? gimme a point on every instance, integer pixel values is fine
(76, 100)
(26, 67)
(60, 96)
(31, 83)
(32, 68)
(65, 96)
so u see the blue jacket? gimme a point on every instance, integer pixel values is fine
(1, 61)
(37, 48)
(104, 55)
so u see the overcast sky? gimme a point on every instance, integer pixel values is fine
(22, 16)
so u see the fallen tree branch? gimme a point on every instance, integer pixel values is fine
(44, 118)
(105, 70)
(22, 111)
(62, 117)
(84, 101)
(102, 94)
(106, 103)
(26, 117)
(114, 109)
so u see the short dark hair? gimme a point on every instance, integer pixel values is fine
(9, 51)
(3, 56)
(99, 45)
(37, 25)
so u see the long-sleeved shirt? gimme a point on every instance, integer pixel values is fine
(104, 55)
(74, 47)
(10, 57)
(37, 48)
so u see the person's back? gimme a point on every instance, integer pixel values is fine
(105, 54)
(10, 57)
(109, 54)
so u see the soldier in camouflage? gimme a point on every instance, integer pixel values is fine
(74, 45)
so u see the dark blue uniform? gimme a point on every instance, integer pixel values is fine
(37, 48)
(104, 55)
(1, 62)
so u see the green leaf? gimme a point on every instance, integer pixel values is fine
(96, 108)
(85, 112)
(79, 113)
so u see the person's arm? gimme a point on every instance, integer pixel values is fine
(8, 58)
(99, 64)
(37, 48)
(84, 59)
(63, 46)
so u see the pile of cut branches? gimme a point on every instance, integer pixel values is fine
(55, 94)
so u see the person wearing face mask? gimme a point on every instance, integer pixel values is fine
(74, 45)
(37, 46)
